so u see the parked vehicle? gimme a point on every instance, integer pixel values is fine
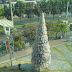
(2, 32)
(69, 24)
(66, 22)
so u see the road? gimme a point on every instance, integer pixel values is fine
(17, 20)
(27, 51)
(57, 60)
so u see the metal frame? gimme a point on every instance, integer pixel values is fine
(5, 24)
(9, 24)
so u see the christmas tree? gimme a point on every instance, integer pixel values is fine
(41, 55)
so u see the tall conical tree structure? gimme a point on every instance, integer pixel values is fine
(41, 56)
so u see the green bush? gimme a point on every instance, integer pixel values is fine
(30, 33)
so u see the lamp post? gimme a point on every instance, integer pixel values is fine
(10, 36)
(67, 8)
(11, 10)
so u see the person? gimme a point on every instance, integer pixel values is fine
(59, 37)
(19, 65)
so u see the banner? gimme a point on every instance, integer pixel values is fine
(7, 46)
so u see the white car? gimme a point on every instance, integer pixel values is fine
(69, 24)
(65, 22)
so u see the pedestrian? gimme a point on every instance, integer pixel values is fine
(59, 37)
(19, 65)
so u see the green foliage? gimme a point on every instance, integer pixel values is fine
(19, 8)
(0, 46)
(30, 33)
(6, 12)
(1, 12)
(1, 28)
(50, 27)
(70, 27)
(70, 6)
(19, 43)
(59, 6)
(51, 6)
(29, 10)
(18, 39)
(56, 28)
(37, 10)
(63, 28)
(44, 6)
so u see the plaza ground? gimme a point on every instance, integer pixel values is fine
(58, 62)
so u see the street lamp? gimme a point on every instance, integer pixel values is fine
(67, 8)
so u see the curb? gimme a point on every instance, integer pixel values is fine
(27, 62)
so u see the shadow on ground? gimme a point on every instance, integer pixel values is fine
(26, 67)
(23, 68)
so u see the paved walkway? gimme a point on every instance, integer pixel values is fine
(25, 56)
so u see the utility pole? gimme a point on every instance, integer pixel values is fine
(67, 8)
(12, 18)
(9, 36)
(11, 10)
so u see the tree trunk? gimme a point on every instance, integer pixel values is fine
(53, 17)
(20, 20)
(4, 5)
(62, 34)
(71, 14)
(56, 35)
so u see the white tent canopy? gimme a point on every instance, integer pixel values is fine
(6, 23)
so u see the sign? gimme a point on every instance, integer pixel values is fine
(7, 46)
(11, 44)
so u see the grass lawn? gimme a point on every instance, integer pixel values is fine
(34, 23)
(30, 24)
(27, 24)
(1, 29)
